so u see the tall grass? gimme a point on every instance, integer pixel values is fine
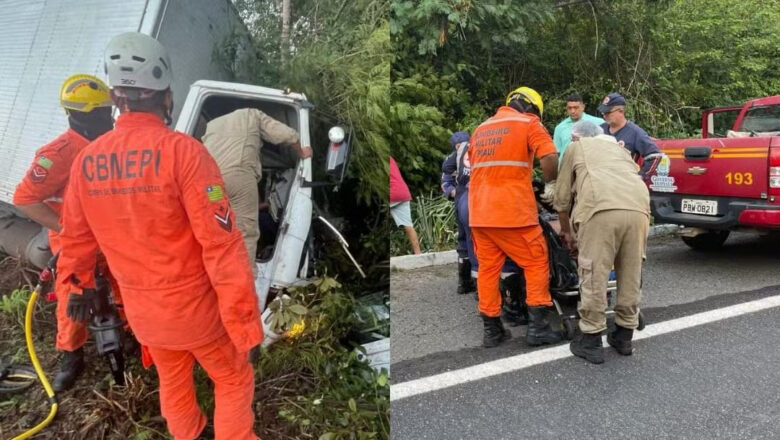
(434, 222)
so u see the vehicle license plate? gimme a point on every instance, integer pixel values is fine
(704, 207)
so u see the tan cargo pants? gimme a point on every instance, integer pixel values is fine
(616, 237)
(241, 188)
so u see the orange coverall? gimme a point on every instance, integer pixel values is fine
(45, 182)
(502, 208)
(152, 199)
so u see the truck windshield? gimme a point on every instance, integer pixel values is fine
(762, 119)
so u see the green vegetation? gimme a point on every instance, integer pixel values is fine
(339, 55)
(434, 222)
(15, 305)
(310, 384)
(457, 59)
(326, 390)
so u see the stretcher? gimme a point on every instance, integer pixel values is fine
(564, 281)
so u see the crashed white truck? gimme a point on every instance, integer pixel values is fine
(46, 41)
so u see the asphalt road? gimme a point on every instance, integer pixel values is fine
(718, 380)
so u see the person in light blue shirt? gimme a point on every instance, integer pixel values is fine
(575, 107)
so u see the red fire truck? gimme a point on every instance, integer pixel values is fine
(727, 180)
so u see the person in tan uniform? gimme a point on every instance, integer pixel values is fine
(234, 140)
(610, 212)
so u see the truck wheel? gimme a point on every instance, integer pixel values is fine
(708, 241)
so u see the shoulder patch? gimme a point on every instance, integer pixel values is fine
(222, 217)
(44, 162)
(214, 193)
(38, 173)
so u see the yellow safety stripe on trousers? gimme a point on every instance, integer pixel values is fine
(501, 163)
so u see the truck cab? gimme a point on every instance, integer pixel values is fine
(283, 256)
(284, 176)
(727, 180)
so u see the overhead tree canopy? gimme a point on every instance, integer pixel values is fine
(339, 56)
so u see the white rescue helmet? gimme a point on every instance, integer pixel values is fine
(136, 60)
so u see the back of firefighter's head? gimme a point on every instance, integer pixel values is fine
(87, 103)
(526, 100)
(139, 74)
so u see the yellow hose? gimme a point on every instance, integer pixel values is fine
(37, 365)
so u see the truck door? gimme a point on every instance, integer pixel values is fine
(288, 196)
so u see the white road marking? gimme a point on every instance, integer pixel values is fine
(500, 366)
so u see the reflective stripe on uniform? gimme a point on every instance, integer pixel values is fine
(501, 163)
(505, 119)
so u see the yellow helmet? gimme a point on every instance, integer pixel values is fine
(84, 93)
(528, 95)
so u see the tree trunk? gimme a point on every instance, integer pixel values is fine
(285, 29)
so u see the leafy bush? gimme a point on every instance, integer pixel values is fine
(15, 304)
(320, 388)
(434, 221)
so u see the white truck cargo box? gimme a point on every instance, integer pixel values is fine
(45, 41)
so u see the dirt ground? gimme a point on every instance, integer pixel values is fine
(95, 408)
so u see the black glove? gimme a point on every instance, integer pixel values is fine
(80, 306)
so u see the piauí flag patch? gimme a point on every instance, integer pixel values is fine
(214, 193)
(45, 162)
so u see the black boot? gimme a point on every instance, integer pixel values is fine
(465, 282)
(620, 340)
(539, 331)
(494, 331)
(515, 314)
(71, 366)
(513, 290)
(588, 346)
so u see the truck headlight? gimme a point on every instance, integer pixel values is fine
(336, 134)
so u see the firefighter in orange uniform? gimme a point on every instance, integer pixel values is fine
(152, 199)
(87, 103)
(503, 213)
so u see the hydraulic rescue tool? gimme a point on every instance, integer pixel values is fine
(106, 326)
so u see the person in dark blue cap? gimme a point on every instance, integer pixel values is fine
(629, 135)
(454, 184)
(456, 170)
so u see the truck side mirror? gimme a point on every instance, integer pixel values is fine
(339, 150)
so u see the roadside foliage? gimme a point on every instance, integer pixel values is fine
(456, 60)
